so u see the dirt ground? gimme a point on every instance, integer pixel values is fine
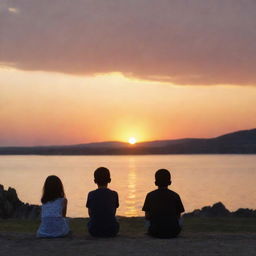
(25, 244)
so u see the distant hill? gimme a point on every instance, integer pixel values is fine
(240, 142)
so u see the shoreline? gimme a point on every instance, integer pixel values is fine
(12, 207)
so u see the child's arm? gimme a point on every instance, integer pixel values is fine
(64, 209)
(147, 215)
(180, 207)
(88, 203)
(146, 207)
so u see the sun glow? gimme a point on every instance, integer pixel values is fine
(132, 140)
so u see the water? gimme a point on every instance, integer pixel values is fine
(199, 179)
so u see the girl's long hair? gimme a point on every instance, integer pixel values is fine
(52, 189)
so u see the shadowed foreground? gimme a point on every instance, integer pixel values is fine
(201, 236)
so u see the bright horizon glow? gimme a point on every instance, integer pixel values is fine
(44, 108)
(132, 140)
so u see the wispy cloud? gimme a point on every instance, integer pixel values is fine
(13, 10)
(183, 42)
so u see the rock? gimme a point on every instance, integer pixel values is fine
(1, 192)
(219, 210)
(12, 196)
(8, 208)
(244, 213)
(12, 207)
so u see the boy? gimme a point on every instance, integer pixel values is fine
(163, 208)
(102, 204)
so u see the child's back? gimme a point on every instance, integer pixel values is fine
(102, 204)
(53, 211)
(163, 208)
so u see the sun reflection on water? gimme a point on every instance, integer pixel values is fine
(130, 201)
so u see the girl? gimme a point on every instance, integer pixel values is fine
(54, 208)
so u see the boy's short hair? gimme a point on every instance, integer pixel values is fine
(162, 178)
(102, 176)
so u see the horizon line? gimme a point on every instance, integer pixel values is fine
(127, 143)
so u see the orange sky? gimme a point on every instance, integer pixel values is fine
(40, 108)
(83, 71)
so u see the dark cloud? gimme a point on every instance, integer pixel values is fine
(180, 41)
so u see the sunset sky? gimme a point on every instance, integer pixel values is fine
(95, 70)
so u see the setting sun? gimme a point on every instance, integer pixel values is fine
(132, 140)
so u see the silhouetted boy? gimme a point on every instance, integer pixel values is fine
(163, 208)
(102, 204)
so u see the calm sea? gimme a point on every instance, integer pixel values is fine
(199, 179)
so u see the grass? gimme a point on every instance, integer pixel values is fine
(134, 226)
(223, 225)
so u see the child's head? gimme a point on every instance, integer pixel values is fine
(102, 176)
(52, 189)
(163, 178)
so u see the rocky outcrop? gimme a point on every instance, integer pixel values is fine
(244, 212)
(219, 210)
(12, 207)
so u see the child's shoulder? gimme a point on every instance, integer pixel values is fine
(173, 193)
(102, 190)
(167, 191)
(151, 193)
(112, 191)
(92, 192)
(55, 201)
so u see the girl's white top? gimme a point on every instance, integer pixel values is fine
(53, 224)
(53, 208)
